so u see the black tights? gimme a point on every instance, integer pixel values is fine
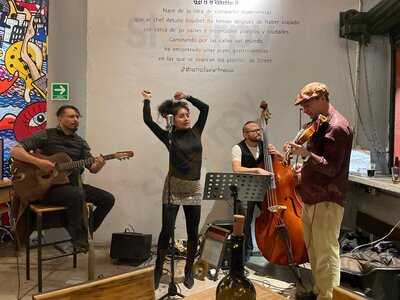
(192, 216)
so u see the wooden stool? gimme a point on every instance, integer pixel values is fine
(46, 217)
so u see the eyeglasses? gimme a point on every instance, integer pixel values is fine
(254, 130)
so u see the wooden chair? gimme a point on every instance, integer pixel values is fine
(134, 285)
(39, 218)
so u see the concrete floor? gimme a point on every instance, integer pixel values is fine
(59, 273)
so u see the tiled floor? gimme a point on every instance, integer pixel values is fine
(59, 273)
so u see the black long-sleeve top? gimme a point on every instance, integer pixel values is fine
(186, 149)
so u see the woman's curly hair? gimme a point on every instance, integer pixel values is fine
(171, 107)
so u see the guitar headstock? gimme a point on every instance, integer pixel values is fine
(265, 113)
(123, 155)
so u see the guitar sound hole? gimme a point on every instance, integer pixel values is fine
(18, 177)
(46, 176)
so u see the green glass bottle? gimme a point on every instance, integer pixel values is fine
(235, 285)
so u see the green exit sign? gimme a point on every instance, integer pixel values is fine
(59, 91)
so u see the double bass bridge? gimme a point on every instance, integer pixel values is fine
(277, 208)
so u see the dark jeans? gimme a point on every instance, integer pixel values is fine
(73, 197)
(247, 225)
(192, 216)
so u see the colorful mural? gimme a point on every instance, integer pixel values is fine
(23, 71)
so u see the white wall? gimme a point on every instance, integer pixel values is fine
(67, 63)
(122, 60)
(67, 54)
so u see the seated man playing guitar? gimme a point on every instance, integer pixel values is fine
(63, 138)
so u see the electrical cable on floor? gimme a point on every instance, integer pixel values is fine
(377, 241)
(275, 288)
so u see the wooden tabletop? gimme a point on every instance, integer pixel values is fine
(384, 183)
(261, 292)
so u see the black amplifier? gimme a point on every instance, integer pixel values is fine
(132, 247)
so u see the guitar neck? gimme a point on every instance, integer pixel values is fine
(79, 164)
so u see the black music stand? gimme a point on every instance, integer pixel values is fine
(239, 186)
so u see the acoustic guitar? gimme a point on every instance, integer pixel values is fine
(31, 183)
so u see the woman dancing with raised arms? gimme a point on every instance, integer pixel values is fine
(182, 184)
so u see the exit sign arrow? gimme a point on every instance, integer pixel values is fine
(60, 91)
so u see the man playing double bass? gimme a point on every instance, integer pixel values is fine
(247, 157)
(322, 185)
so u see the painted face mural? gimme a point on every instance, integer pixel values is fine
(30, 120)
(23, 71)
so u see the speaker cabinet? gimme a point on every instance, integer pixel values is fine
(131, 247)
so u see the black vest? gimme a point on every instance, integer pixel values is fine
(248, 160)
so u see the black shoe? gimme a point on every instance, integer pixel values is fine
(158, 268)
(190, 256)
(188, 282)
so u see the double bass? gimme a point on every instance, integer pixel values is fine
(278, 228)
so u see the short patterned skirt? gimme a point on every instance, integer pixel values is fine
(183, 192)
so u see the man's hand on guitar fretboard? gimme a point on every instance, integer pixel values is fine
(98, 164)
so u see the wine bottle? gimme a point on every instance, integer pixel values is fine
(235, 285)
